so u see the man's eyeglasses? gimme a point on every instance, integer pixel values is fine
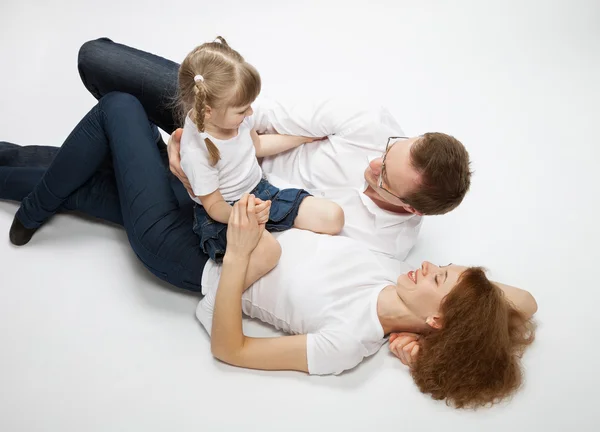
(383, 173)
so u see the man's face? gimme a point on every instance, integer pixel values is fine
(400, 177)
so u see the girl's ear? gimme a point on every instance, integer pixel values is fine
(207, 112)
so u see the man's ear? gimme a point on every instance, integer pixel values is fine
(412, 210)
(434, 321)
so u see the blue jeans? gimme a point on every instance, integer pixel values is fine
(105, 66)
(111, 167)
(285, 204)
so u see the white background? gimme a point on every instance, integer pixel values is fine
(90, 341)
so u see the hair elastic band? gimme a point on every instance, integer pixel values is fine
(199, 78)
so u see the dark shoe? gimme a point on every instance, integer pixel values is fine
(18, 234)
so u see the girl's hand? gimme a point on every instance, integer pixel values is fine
(312, 139)
(243, 231)
(262, 209)
(405, 346)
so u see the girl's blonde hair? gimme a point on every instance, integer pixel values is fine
(227, 81)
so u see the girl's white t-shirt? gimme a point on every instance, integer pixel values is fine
(236, 173)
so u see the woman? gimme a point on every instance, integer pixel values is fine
(470, 327)
(471, 339)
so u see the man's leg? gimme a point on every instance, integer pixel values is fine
(13, 155)
(106, 66)
(23, 167)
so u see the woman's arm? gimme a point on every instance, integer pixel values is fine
(521, 299)
(405, 345)
(228, 342)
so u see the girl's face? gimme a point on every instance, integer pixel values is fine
(229, 118)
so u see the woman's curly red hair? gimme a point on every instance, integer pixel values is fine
(474, 359)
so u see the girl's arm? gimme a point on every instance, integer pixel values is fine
(228, 343)
(272, 144)
(216, 207)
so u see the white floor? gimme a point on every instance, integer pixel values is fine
(90, 341)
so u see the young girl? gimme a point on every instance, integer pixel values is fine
(219, 150)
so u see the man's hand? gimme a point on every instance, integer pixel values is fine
(243, 231)
(405, 346)
(262, 209)
(173, 149)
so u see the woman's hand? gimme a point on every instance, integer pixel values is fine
(174, 150)
(262, 210)
(405, 346)
(243, 231)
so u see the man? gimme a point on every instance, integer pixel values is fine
(384, 181)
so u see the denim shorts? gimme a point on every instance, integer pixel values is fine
(285, 204)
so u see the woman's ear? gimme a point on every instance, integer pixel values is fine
(434, 321)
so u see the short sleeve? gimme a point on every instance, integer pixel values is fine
(332, 352)
(203, 177)
(210, 284)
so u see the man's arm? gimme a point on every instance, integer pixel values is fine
(356, 121)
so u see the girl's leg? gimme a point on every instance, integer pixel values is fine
(320, 216)
(106, 66)
(263, 258)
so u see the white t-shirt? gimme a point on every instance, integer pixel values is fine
(236, 173)
(334, 168)
(324, 286)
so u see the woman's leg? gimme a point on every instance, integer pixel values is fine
(106, 66)
(79, 158)
(159, 232)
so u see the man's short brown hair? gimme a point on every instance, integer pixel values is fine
(444, 166)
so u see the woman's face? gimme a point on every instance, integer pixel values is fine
(423, 290)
